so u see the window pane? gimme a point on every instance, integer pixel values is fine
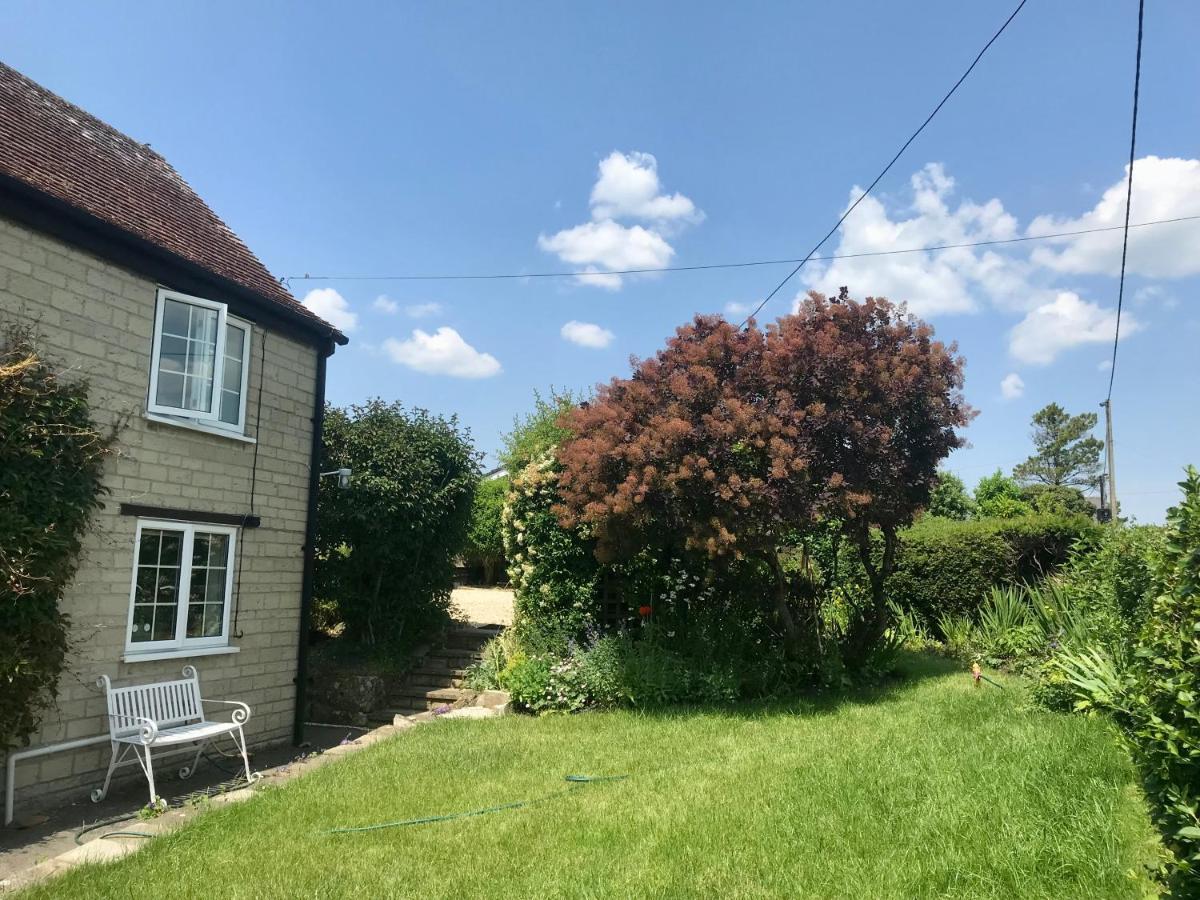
(172, 543)
(216, 586)
(142, 617)
(195, 621)
(200, 549)
(175, 318)
(189, 347)
(164, 623)
(220, 549)
(206, 595)
(147, 578)
(170, 390)
(231, 375)
(172, 354)
(213, 615)
(148, 551)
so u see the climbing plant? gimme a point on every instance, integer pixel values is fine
(51, 459)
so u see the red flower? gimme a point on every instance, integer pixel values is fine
(644, 610)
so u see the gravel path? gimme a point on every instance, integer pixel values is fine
(483, 606)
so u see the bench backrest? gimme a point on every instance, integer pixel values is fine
(166, 703)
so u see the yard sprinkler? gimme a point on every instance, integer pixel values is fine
(977, 674)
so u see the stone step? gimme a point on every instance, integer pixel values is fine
(426, 682)
(470, 638)
(431, 699)
(450, 659)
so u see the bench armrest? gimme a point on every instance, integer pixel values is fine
(147, 728)
(241, 711)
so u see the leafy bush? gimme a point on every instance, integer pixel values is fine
(539, 431)
(554, 574)
(947, 568)
(949, 498)
(1118, 572)
(51, 460)
(998, 496)
(386, 545)
(527, 679)
(1165, 723)
(1155, 694)
(485, 535)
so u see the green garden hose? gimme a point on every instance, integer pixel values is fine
(575, 781)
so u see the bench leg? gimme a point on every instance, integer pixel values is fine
(102, 792)
(240, 740)
(148, 768)
(188, 771)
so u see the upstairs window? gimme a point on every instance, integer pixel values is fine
(200, 362)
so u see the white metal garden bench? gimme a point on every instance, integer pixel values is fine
(165, 715)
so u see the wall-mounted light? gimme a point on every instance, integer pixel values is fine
(343, 477)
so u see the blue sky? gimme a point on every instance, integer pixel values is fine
(478, 138)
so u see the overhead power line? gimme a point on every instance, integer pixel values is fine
(1137, 79)
(887, 168)
(574, 273)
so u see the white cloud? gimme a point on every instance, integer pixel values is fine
(442, 353)
(1065, 322)
(628, 187)
(1012, 386)
(1104, 365)
(1162, 189)
(422, 310)
(947, 281)
(332, 307)
(1153, 293)
(608, 245)
(585, 334)
(386, 304)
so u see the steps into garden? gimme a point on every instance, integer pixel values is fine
(437, 679)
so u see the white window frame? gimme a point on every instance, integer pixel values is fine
(210, 419)
(181, 644)
(238, 427)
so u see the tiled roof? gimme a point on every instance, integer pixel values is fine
(60, 150)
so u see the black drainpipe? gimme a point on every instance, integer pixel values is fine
(310, 543)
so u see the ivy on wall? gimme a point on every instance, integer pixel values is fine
(51, 460)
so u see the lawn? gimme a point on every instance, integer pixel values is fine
(928, 788)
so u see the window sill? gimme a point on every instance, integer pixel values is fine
(197, 426)
(132, 656)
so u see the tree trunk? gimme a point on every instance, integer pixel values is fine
(791, 632)
(869, 626)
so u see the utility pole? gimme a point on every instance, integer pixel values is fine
(1110, 459)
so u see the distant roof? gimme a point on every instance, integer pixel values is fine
(58, 149)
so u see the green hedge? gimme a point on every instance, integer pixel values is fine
(946, 567)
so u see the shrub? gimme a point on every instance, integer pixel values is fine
(386, 545)
(553, 572)
(998, 496)
(527, 679)
(51, 460)
(949, 498)
(485, 535)
(1165, 723)
(539, 431)
(1155, 694)
(947, 568)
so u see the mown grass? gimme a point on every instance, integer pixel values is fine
(932, 788)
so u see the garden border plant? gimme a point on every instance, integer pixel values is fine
(52, 455)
